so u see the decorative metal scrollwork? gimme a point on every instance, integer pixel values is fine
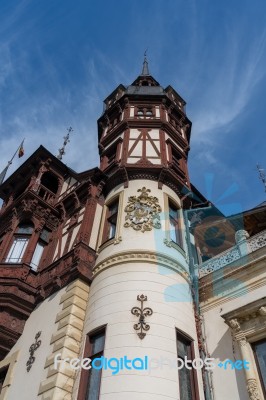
(32, 350)
(141, 313)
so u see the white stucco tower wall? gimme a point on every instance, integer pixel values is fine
(142, 263)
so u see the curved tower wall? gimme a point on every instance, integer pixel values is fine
(142, 263)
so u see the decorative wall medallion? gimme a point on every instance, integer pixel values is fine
(141, 313)
(32, 350)
(143, 212)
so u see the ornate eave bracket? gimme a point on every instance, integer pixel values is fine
(141, 312)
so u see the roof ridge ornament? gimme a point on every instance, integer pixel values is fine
(145, 68)
(66, 141)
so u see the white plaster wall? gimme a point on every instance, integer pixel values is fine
(74, 235)
(150, 241)
(112, 295)
(114, 292)
(95, 227)
(25, 385)
(67, 184)
(131, 111)
(221, 346)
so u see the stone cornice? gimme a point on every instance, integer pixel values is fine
(140, 256)
(253, 310)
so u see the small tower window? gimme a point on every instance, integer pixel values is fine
(112, 219)
(174, 219)
(144, 113)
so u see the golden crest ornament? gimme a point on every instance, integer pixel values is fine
(143, 212)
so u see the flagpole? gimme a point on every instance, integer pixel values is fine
(3, 173)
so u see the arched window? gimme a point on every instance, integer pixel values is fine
(21, 239)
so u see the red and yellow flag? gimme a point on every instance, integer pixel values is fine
(21, 150)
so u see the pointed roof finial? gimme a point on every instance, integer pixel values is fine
(66, 141)
(145, 68)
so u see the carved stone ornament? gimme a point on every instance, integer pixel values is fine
(262, 310)
(234, 324)
(143, 212)
(141, 313)
(32, 350)
(253, 390)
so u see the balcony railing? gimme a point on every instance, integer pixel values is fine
(240, 250)
(46, 194)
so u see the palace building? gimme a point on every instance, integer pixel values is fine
(129, 265)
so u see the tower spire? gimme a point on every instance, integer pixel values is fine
(145, 68)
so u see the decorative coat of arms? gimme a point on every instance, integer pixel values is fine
(143, 212)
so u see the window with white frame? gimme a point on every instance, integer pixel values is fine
(38, 252)
(111, 220)
(175, 224)
(19, 245)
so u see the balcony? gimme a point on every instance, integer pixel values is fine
(243, 247)
(46, 194)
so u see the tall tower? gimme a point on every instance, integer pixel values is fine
(96, 264)
(142, 261)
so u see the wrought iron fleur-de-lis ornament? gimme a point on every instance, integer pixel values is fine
(141, 313)
(32, 350)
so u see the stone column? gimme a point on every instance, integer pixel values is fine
(252, 384)
(246, 352)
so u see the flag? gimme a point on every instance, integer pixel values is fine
(21, 150)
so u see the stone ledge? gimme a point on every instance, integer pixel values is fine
(76, 291)
(73, 310)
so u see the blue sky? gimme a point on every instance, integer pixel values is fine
(59, 60)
